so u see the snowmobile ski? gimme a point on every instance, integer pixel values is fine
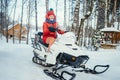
(37, 60)
(57, 76)
(94, 71)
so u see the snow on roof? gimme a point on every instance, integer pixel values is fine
(10, 26)
(110, 29)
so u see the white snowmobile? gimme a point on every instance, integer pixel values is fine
(63, 53)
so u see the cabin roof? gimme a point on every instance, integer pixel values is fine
(110, 29)
(11, 26)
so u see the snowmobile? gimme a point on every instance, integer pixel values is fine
(64, 53)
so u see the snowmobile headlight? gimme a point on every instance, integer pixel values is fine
(73, 58)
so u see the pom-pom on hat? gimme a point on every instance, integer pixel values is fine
(51, 9)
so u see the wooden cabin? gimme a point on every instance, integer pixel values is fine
(16, 33)
(110, 37)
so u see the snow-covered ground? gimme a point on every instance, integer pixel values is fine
(16, 63)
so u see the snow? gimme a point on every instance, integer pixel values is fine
(16, 63)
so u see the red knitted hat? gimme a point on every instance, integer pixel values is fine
(50, 12)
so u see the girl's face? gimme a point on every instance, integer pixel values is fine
(51, 17)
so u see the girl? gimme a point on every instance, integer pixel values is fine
(50, 29)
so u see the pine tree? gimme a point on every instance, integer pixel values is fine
(96, 39)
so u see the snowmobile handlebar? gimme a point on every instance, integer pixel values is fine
(52, 29)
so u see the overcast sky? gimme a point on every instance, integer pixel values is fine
(41, 12)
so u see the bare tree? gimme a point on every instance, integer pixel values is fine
(29, 13)
(72, 5)
(113, 9)
(83, 29)
(82, 22)
(101, 14)
(118, 18)
(6, 18)
(71, 14)
(1, 18)
(113, 13)
(69, 17)
(65, 13)
(21, 20)
(36, 15)
(13, 19)
(75, 23)
(56, 8)
(84, 7)
(47, 5)
(106, 6)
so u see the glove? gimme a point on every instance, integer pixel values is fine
(66, 31)
(40, 33)
(52, 29)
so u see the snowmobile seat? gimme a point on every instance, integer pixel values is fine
(70, 60)
(40, 39)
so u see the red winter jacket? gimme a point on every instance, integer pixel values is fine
(47, 33)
